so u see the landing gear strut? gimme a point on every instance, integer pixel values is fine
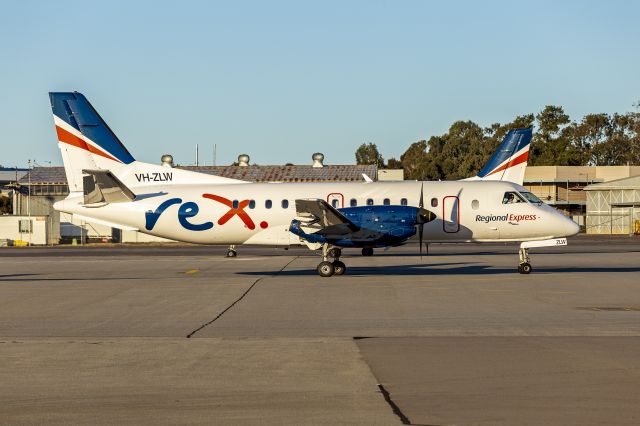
(326, 268)
(231, 251)
(367, 251)
(524, 267)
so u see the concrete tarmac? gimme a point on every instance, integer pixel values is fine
(180, 334)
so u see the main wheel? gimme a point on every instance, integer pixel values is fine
(367, 251)
(325, 269)
(335, 252)
(339, 268)
(232, 253)
(525, 268)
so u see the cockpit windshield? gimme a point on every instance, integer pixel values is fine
(512, 197)
(531, 198)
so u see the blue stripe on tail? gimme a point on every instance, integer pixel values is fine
(76, 110)
(513, 142)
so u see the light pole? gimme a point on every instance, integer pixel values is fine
(30, 230)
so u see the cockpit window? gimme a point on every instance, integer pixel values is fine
(531, 198)
(512, 197)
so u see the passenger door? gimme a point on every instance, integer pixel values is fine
(335, 200)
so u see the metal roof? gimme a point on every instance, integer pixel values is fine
(291, 173)
(624, 183)
(8, 174)
(294, 173)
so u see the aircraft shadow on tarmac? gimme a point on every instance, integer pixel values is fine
(32, 278)
(503, 252)
(457, 268)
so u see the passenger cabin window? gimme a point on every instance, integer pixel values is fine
(334, 203)
(369, 201)
(235, 204)
(434, 202)
(403, 201)
(353, 202)
(475, 204)
(267, 204)
(252, 204)
(386, 202)
(512, 197)
(285, 204)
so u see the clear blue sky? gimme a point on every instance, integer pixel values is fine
(280, 80)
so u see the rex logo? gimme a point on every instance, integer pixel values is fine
(190, 209)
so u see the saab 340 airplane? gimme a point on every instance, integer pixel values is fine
(108, 186)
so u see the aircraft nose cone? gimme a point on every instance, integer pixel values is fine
(568, 227)
(573, 228)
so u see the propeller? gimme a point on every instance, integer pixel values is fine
(423, 216)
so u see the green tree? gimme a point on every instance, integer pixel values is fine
(369, 154)
(551, 144)
(392, 163)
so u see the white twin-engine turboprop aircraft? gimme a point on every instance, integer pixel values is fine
(107, 186)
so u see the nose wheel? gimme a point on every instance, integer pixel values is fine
(327, 268)
(524, 267)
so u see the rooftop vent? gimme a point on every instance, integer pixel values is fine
(167, 160)
(318, 158)
(243, 160)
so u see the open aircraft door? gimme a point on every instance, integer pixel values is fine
(451, 214)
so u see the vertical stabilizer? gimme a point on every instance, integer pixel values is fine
(510, 160)
(85, 140)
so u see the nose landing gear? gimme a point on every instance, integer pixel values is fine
(524, 267)
(327, 268)
(231, 251)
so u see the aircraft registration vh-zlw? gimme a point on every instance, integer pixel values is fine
(108, 186)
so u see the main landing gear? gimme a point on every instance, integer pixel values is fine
(327, 268)
(524, 267)
(367, 251)
(231, 251)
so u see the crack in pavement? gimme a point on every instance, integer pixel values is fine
(242, 296)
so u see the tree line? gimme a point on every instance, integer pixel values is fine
(596, 140)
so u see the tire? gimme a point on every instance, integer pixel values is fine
(339, 268)
(325, 269)
(525, 268)
(232, 253)
(367, 251)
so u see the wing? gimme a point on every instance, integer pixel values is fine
(319, 215)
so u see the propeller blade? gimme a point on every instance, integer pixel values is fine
(420, 232)
(421, 203)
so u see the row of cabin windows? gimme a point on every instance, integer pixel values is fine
(353, 203)
(267, 204)
(335, 203)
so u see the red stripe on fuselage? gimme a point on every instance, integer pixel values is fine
(71, 139)
(514, 162)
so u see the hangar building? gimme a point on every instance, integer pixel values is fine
(614, 207)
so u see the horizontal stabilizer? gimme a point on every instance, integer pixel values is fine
(101, 187)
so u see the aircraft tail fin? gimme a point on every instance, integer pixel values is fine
(87, 143)
(510, 160)
(85, 140)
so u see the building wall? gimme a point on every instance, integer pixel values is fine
(390, 174)
(603, 219)
(10, 230)
(40, 205)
